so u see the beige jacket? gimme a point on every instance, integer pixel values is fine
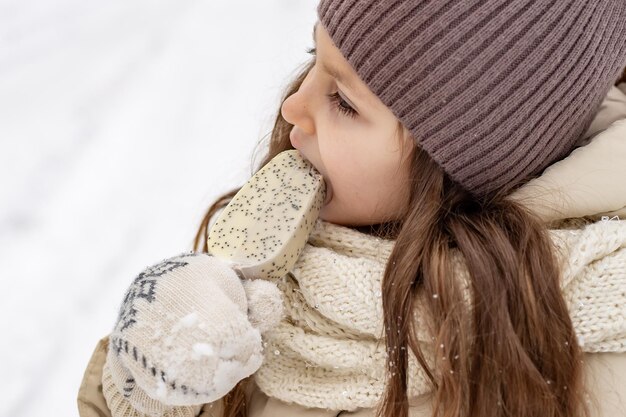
(589, 182)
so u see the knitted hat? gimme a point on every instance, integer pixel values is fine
(493, 90)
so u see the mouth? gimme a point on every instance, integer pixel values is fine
(329, 189)
(329, 193)
(293, 140)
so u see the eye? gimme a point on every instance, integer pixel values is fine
(341, 105)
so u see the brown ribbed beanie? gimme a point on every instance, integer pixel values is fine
(493, 90)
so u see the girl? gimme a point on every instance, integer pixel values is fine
(470, 260)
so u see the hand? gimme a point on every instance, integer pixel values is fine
(188, 330)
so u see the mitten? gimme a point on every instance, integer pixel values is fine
(188, 330)
(133, 401)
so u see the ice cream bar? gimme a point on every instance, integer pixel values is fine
(264, 228)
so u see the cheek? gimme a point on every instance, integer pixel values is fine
(355, 171)
(336, 155)
(337, 158)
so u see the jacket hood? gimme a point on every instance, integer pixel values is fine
(591, 181)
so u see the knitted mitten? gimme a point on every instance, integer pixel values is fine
(188, 330)
(134, 402)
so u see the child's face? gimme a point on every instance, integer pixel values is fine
(359, 154)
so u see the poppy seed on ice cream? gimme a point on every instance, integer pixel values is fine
(279, 205)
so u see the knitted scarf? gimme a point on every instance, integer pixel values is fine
(329, 352)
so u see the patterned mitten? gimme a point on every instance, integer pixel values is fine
(188, 330)
(135, 402)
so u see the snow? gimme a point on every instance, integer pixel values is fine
(203, 349)
(189, 320)
(162, 391)
(229, 372)
(120, 122)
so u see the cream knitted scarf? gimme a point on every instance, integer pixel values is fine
(328, 351)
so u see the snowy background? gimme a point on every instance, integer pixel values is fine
(120, 122)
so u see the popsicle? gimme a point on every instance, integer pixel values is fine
(264, 228)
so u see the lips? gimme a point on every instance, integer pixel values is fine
(292, 138)
(295, 142)
(329, 193)
(329, 188)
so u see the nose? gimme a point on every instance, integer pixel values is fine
(296, 110)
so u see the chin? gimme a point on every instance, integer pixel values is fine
(344, 218)
(328, 213)
(325, 214)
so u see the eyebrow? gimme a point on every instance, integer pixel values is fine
(340, 76)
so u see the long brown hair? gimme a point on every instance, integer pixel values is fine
(502, 340)
(485, 274)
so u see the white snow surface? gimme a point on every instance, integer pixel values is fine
(120, 123)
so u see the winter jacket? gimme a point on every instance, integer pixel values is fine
(588, 183)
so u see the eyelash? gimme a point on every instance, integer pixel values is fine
(335, 98)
